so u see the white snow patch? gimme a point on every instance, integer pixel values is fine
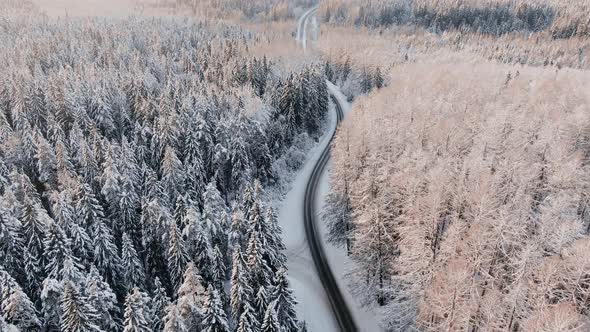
(342, 100)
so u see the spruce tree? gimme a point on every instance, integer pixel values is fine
(285, 304)
(133, 274)
(248, 321)
(261, 303)
(101, 296)
(50, 304)
(214, 215)
(57, 250)
(35, 222)
(218, 269)
(15, 306)
(160, 301)
(77, 315)
(106, 257)
(214, 317)
(177, 255)
(172, 173)
(135, 313)
(11, 243)
(241, 291)
(237, 234)
(271, 322)
(259, 273)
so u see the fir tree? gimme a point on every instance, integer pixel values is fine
(214, 317)
(77, 315)
(135, 313)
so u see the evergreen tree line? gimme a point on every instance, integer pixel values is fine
(493, 18)
(354, 80)
(131, 175)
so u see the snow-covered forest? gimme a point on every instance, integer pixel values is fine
(461, 191)
(133, 158)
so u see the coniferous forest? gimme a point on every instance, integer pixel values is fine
(133, 158)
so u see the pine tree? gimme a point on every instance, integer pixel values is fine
(101, 296)
(271, 322)
(133, 274)
(135, 313)
(177, 255)
(214, 317)
(240, 292)
(77, 315)
(282, 295)
(160, 301)
(191, 298)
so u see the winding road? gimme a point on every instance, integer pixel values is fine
(339, 306)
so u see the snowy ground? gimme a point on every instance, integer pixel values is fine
(314, 307)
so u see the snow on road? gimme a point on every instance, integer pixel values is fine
(340, 263)
(314, 306)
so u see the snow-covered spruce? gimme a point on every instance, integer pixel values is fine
(131, 176)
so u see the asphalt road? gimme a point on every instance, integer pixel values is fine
(337, 302)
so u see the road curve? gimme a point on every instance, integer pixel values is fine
(337, 302)
(302, 25)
